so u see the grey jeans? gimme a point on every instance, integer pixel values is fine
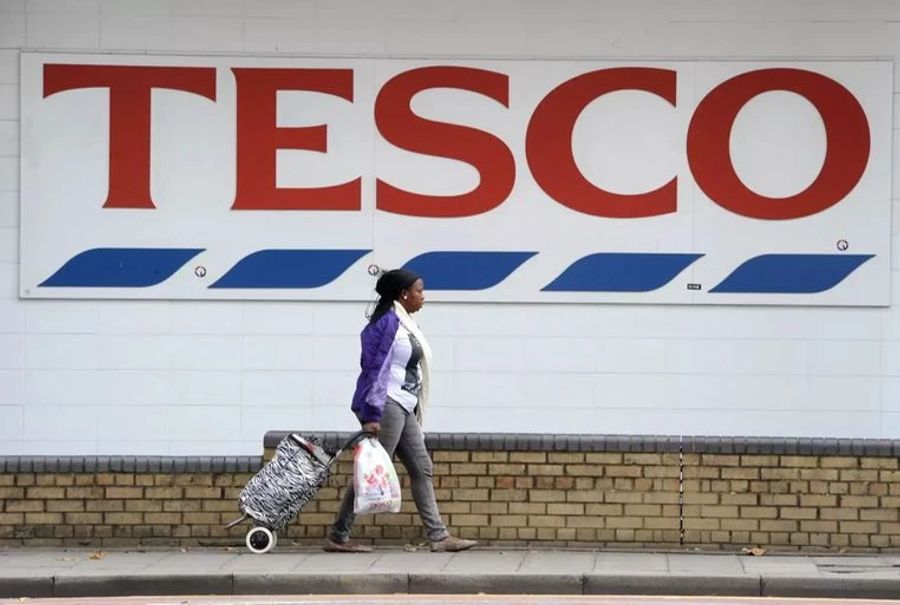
(400, 433)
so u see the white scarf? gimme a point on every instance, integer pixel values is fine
(411, 326)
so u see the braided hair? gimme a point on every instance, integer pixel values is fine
(389, 286)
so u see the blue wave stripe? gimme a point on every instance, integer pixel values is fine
(791, 273)
(621, 272)
(465, 270)
(289, 268)
(120, 267)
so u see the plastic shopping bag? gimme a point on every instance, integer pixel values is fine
(374, 479)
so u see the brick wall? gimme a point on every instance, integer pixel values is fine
(792, 501)
(507, 491)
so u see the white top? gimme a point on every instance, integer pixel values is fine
(405, 380)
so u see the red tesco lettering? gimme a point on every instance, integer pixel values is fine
(548, 138)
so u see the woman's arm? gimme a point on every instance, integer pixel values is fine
(376, 340)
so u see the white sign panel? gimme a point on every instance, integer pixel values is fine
(526, 181)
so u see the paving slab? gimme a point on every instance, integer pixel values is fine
(555, 562)
(272, 563)
(405, 562)
(336, 563)
(705, 565)
(480, 562)
(629, 561)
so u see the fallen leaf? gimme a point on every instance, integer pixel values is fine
(96, 556)
(755, 551)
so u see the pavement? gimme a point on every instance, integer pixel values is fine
(72, 573)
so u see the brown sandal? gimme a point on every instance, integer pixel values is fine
(332, 546)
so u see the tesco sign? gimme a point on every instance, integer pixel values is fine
(522, 181)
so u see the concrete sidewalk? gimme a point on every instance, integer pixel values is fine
(91, 573)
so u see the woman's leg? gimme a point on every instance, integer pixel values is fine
(392, 422)
(412, 453)
(340, 531)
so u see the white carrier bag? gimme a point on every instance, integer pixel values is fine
(374, 479)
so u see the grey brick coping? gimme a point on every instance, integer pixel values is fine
(688, 444)
(513, 442)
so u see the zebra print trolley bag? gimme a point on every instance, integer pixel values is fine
(278, 492)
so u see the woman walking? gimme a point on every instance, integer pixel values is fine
(391, 392)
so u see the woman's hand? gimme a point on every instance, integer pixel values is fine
(372, 427)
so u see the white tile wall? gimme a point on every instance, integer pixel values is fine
(489, 354)
(11, 421)
(332, 318)
(12, 29)
(12, 6)
(12, 316)
(215, 422)
(160, 377)
(845, 357)
(207, 34)
(61, 351)
(133, 317)
(280, 9)
(62, 387)
(12, 388)
(331, 389)
(9, 64)
(63, 6)
(560, 355)
(134, 351)
(76, 31)
(125, 388)
(60, 317)
(190, 447)
(270, 352)
(291, 35)
(223, 8)
(332, 352)
(204, 387)
(135, 32)
(126, 445)
(9, 280)
(64, 422)
(257, 420)
(137, 7)
(121, 422)
(9, 168)
(42, 446)
(271, 388)
(9, 137)
(206, 352)
(188, 317)
(278, 318)
(9, 101)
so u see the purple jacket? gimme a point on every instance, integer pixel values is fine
(375, 363)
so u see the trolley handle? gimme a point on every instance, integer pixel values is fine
(353, 440)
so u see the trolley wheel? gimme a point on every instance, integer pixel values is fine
(260, 540)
